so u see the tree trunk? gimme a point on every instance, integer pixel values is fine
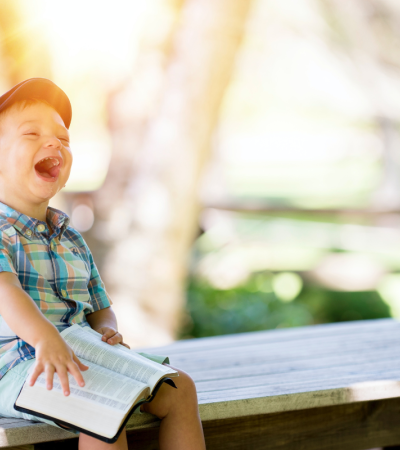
(154, 219)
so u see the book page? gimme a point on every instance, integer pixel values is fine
(75, 410)
(87, 344)
(101, 386)
(100, 406)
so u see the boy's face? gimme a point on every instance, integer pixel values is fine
(28, 137)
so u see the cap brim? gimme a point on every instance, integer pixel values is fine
(43, 89)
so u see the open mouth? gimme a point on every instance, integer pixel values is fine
(48, 168)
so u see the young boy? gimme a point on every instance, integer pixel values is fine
(48, 279)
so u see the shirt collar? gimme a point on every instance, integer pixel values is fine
(27, 226)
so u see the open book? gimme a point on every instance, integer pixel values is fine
(118, 381)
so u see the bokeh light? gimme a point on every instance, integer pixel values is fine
(287, 286)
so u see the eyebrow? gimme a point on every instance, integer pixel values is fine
(30, 121)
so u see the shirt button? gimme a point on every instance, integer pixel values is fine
(63, 292)
(41, 227)
(29, 232)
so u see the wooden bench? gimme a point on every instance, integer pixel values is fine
(334, 386)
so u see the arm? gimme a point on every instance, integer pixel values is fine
(26, 320)
(104, 322)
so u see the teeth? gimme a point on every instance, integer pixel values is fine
(56, 162)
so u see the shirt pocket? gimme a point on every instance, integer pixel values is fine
(77, 275)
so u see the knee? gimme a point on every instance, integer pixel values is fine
(186, 387)
(184, 398)
(168, 400)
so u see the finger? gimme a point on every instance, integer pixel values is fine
(73, 369)
(79, 363)
(108, 333)
(49, 377)
(116, 339)
(35, 373)
(125, 345)
(63, 376)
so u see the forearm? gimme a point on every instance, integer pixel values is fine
(102, 318)
(23, 316)
(26, 320)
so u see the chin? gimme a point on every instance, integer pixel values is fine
(45, 194)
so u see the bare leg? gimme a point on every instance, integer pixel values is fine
(180, 427)
(90, 443)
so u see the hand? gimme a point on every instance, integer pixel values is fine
(55, 355)
(111, 336)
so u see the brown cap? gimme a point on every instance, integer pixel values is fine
(42, 89)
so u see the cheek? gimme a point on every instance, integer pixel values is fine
(19, 159)
(66, 175)
(70, 157)
(68, 162)
(68, 165)
(13, 164)
(22, 165)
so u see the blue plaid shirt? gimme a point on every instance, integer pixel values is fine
(57, 271)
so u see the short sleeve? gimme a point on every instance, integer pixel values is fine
(156, 358)
(99, 297)
(6, 252)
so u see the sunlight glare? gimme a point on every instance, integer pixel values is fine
(93, 48)
(104, 36)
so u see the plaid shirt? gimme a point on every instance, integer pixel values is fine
(57, 271)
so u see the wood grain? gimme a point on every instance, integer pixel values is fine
(357, 426)
(344, 329)
(330, 373)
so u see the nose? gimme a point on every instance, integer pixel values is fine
(53, 142)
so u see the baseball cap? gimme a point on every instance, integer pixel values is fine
(42, 89)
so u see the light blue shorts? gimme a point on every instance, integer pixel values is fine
(10, 387)
(12, 382)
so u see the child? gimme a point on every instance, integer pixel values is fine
(48, 279)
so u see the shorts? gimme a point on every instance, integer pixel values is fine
(10, 387)
(12, 382)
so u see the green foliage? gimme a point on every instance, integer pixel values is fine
(337, 306)
(212, 312)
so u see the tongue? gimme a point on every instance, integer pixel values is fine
(54, 171)
(47, 170)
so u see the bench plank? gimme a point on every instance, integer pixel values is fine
(376, 368)
(313, 347)
(281, 335)
(326, 362)
(356, 426)
(16, 432)
(306, 368)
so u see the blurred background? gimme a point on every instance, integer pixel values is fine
(236, 162)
